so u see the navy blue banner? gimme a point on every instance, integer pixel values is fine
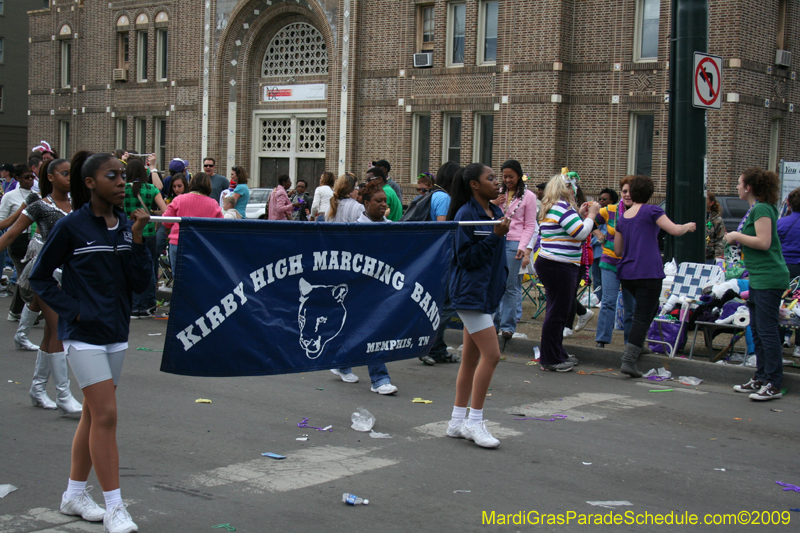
(267, 297)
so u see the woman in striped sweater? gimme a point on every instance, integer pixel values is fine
(562, 232)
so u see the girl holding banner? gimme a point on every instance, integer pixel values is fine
(104, 260)
(477, 284)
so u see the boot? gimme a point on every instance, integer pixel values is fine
(629, 359)
(26, 320)
(64, 400)
(41, 372)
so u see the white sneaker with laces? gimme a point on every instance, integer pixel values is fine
(567, 332)
(479, 435)
(386, 388)
(455, 431)
(796, 351)
(583, 320)
(347, 378)
(117, 520)
(82, 505)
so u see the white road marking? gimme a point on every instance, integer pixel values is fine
(569, 406)
(50, 517)
(300, 469)
(610, 504)
(439, 429)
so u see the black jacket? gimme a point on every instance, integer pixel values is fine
(101, 268)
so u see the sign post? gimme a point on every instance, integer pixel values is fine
(686, 164)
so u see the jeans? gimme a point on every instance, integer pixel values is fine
(173, 259)
(608, 308)
(763, 305)
(559, 280)
(147, 299)
(378, 374)
(506, 317)
(439, 348)
(597, 277)
(646, 293)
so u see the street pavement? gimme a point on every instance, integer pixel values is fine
(188, 466)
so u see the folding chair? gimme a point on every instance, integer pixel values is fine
(534, 291)
(688, 284)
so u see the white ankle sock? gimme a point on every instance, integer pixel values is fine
(458, 416)
(74, 488)
(112, 498)
(475, 417)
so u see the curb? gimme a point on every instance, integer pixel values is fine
(605, 357)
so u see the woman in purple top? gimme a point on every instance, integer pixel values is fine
(789, 235)
(640, 270)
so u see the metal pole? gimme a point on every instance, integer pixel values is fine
(462, 223)
(687, 131)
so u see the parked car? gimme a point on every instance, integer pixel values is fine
(257, 206)
(732, 210)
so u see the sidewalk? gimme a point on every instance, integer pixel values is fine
(521, 351)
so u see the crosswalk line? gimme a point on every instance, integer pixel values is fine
(300, 469)
(583, 407)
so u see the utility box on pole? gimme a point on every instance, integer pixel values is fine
(686, 152)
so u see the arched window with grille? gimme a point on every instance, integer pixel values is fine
(297, 49)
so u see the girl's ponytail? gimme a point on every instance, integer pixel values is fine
(78, 191)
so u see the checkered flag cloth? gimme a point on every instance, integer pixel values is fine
(692, 278)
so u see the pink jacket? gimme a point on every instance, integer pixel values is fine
(280, 208)
(189, 205)
(523, 221)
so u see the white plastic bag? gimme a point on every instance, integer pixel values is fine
(585, 299)
(362, 419)
(671, 268)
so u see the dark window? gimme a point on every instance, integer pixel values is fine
(644, 145)
(454, 139)
(485, 138)
(423, 143)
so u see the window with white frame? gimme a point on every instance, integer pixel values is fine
(420, 145)
(161, 141)
(451, 136)
(66, 64)
(2, 47)
(123, 42)
(140, 135)
(161, 54)
(65, 145)
(640, 144)
(487, 32)
(122, 134)
(425, 33)
(483, 139)
(646, 30)
(456, 33)
(2, 7)
(774, 143)
(141, 55)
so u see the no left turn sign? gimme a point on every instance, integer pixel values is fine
(707, 81)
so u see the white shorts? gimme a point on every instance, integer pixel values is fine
(92, 363)
(475, 321)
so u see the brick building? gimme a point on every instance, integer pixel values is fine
(302, 86)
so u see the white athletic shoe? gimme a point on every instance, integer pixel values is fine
(117, 520)
(479, 435)
(386, 388)
(583, 320)
(347, 378)
(455, 431)
(82, 505)
(567, 332)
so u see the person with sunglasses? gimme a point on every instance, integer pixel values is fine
(378, 175)
(424, 186)
(218, 182)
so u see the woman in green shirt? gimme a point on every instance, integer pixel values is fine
(769, 277)
(141, 193)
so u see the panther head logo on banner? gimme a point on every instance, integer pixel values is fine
(322, 310)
